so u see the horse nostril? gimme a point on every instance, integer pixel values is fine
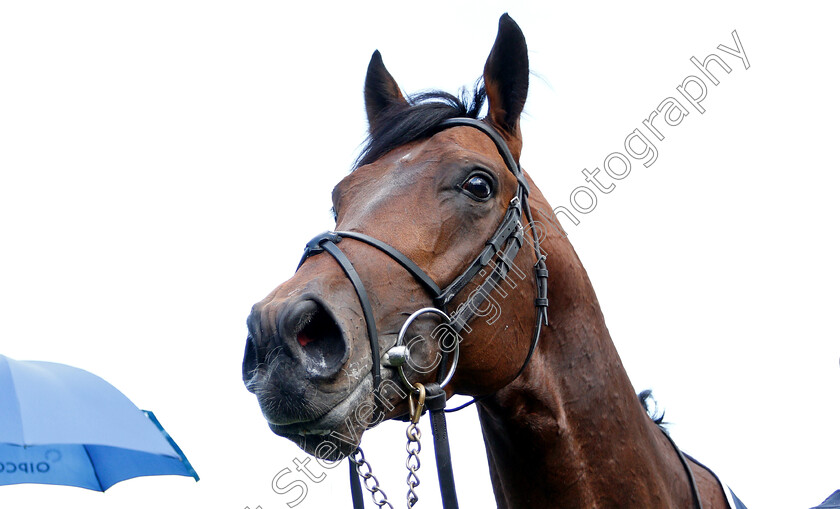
(318, 335)
(249, 363)
(303, 338)
(299, 320)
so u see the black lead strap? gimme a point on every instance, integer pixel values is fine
(436, 403)
(356, 487)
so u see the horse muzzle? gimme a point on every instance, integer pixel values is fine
(295, 348)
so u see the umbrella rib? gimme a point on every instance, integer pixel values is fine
(93, 467)
(16, 398)
(172, 443)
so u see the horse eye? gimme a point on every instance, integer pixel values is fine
(479, 186)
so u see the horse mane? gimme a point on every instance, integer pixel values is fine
(645, 398)
(417, 118)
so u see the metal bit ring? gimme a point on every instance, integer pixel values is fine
(400, 344)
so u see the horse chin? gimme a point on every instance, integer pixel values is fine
(337, 433)
(325, 447)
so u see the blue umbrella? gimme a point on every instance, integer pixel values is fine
(63, 425)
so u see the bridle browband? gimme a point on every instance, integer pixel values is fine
(503, 246)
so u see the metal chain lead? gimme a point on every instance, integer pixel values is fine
(412, 447)
(412, 463)
(370, 481)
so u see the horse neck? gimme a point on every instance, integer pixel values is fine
(570, 431)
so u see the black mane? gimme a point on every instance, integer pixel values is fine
(645, 398)
(403, 123)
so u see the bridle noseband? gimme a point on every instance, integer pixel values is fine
(502, 246)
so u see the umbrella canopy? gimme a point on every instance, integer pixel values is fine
(832, 502)
(63, 425)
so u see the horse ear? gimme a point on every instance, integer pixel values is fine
(506, 77)
(381, 90)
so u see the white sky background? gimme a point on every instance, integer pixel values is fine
(163, 163)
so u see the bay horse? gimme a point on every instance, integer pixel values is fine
(562, 424)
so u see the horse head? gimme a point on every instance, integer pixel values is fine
(434, 191)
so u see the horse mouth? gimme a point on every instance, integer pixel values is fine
(340, 417)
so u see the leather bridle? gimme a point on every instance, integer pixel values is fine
(502, 246)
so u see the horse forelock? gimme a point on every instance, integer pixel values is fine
(418, 118)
